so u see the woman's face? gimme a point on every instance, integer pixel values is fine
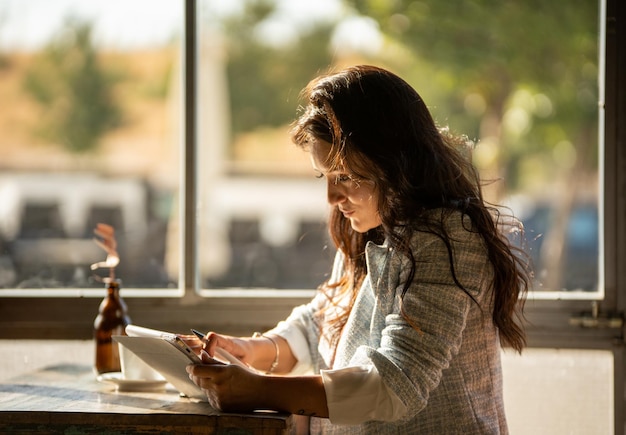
(356, 199)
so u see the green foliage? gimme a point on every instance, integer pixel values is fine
(496, 49)
(492, 44)
(75, 89)
(157, 87)
(264, 80)
(476, 62)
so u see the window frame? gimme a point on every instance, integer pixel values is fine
(37, 314)
(42, 315)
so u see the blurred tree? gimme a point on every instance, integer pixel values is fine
(74, 88)
(265, 78)
(527, 72)
(4, 59)
(491, 50)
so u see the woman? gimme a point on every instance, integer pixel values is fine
(405, 335)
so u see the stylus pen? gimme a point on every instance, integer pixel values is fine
(219, 351)
(199, 334)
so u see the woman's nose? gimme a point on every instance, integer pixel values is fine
(335, 193)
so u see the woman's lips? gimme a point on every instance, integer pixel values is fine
(347, 213)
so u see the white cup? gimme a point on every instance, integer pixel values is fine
(134, 368)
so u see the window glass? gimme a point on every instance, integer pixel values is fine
(262, 219)
(526, 94)
(90, 122)
(92, 115)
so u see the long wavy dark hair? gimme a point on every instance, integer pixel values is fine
(380, 130)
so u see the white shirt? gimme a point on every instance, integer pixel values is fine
(353, 394)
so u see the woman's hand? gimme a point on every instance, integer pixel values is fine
(259, 352)
(229, 388)
(232, 388)
(240, 348)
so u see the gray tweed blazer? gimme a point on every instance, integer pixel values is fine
(447, 372)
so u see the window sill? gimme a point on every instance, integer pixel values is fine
(235, 312)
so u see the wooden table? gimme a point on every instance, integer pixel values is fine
(69, 399)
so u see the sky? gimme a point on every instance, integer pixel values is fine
(27, 24)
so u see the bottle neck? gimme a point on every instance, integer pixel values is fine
(113, 288)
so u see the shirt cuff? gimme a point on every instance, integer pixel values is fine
(357, 394)
(299, 346)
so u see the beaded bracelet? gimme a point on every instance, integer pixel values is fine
(275, 362)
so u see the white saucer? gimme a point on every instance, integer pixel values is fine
(122, 384)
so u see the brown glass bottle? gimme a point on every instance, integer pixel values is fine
(112, 320)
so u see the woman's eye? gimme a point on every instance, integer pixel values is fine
(320, 175)
(342, 178)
